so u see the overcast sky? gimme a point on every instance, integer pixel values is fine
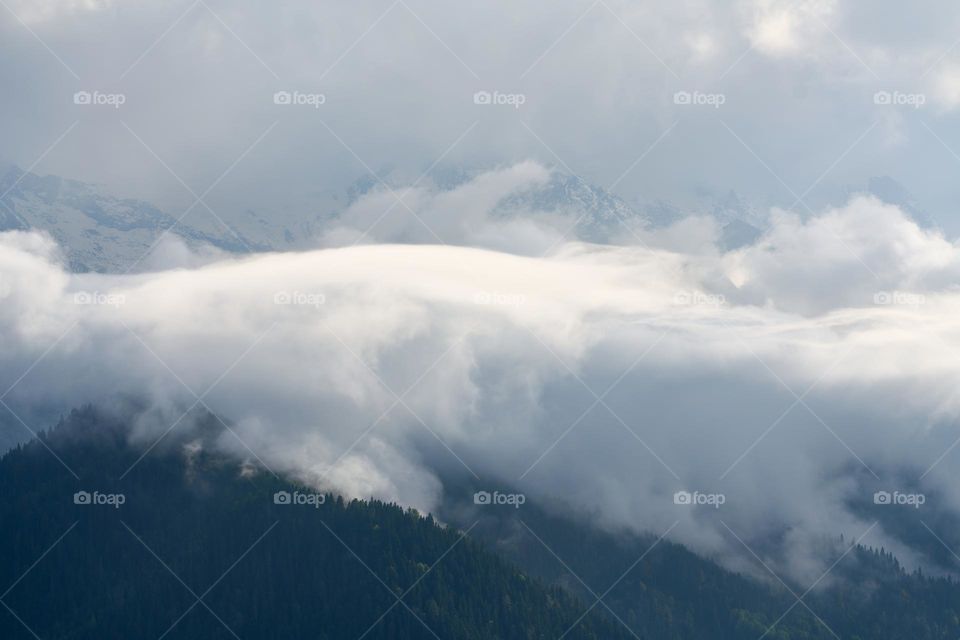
(783, 102)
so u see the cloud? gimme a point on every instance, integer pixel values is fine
(598, 93)
(859, 249)
(39, 11)
(946, 86)
(390, 369)
(461, 215)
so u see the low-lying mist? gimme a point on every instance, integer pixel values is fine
(789, 380)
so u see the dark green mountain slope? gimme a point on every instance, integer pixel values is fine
(674, 594)
(198, 550)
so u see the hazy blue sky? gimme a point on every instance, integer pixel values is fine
(787, 93)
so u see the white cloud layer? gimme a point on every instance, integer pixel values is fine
(496, 357)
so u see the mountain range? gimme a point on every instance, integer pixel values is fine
(183, 543)
(101, 232)
(105, 233)
(120, 537)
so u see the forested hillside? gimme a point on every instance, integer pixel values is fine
(190, 544)
(197, 550)
(675, 594)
